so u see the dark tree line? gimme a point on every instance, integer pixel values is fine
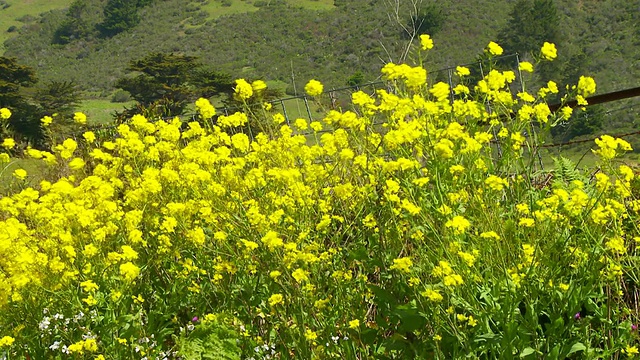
(30, 101)
(114, 17)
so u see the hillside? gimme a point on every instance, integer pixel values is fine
(288, 41)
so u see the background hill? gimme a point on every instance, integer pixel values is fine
(287, 42)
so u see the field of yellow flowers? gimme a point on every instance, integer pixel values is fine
(409, 239)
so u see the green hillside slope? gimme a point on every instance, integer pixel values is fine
(295, 40)
(14, 14)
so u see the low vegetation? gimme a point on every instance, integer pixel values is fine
(392, 230)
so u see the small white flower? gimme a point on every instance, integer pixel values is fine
(55, 346)
(44, 324)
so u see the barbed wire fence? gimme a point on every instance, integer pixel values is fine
(305, 107)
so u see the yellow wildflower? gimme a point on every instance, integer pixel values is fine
(243, 89)
(494, 49)
(426, 42)
(402, 264)
(79, 118)
(525, 66)
(313, 88)
(5, 113)
(276, 299)
(549, 51)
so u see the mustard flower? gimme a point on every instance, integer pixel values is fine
(426, 42)
(300, 275)
(410, 207)
(89, 136)
(313, 88)
(90, 250)
(494, 49)
(526, 222)
(80, 118)
(403, 264)
(354, 324)
(616, 245)
(240, 141)
(128, 253)
(452, 280)
(462, 71)
(490, 235)
(301, 124)
(459, 224)
(586, 86)
(77, 347)
(258, 85)
(441, 91)
(310, 335)
(272, 241)
(20, 174)
(89, 286)
(276, 299)
(526, 97)
(542, 112)
(205, 109)
(609, 145)
(243, 89)
(8, 143)
(525, 66)
(90, 300)
(566, 112)
(5, 113)
(432, 295)
(549, 51)
(468, 258)
(631, 351)
(6, 341)
(76, 164)
(129, 271)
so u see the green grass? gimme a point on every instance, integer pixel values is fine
(313, 4)
(36, 171)
(19, 8)
(99, 111)
(216, 9)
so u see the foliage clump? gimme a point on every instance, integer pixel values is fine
(413, 225)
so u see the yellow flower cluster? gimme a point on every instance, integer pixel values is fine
(307, 236)
(314, 88)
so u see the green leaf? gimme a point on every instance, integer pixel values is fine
(576, 347)
(527, 351)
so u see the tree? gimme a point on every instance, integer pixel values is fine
(76, 24)
(209, 83)
(429, 19)
(119, 16)
(168, 82)
(60, 97)
(531, 23)
(13, 78)
(583, 122)
(414, 19)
